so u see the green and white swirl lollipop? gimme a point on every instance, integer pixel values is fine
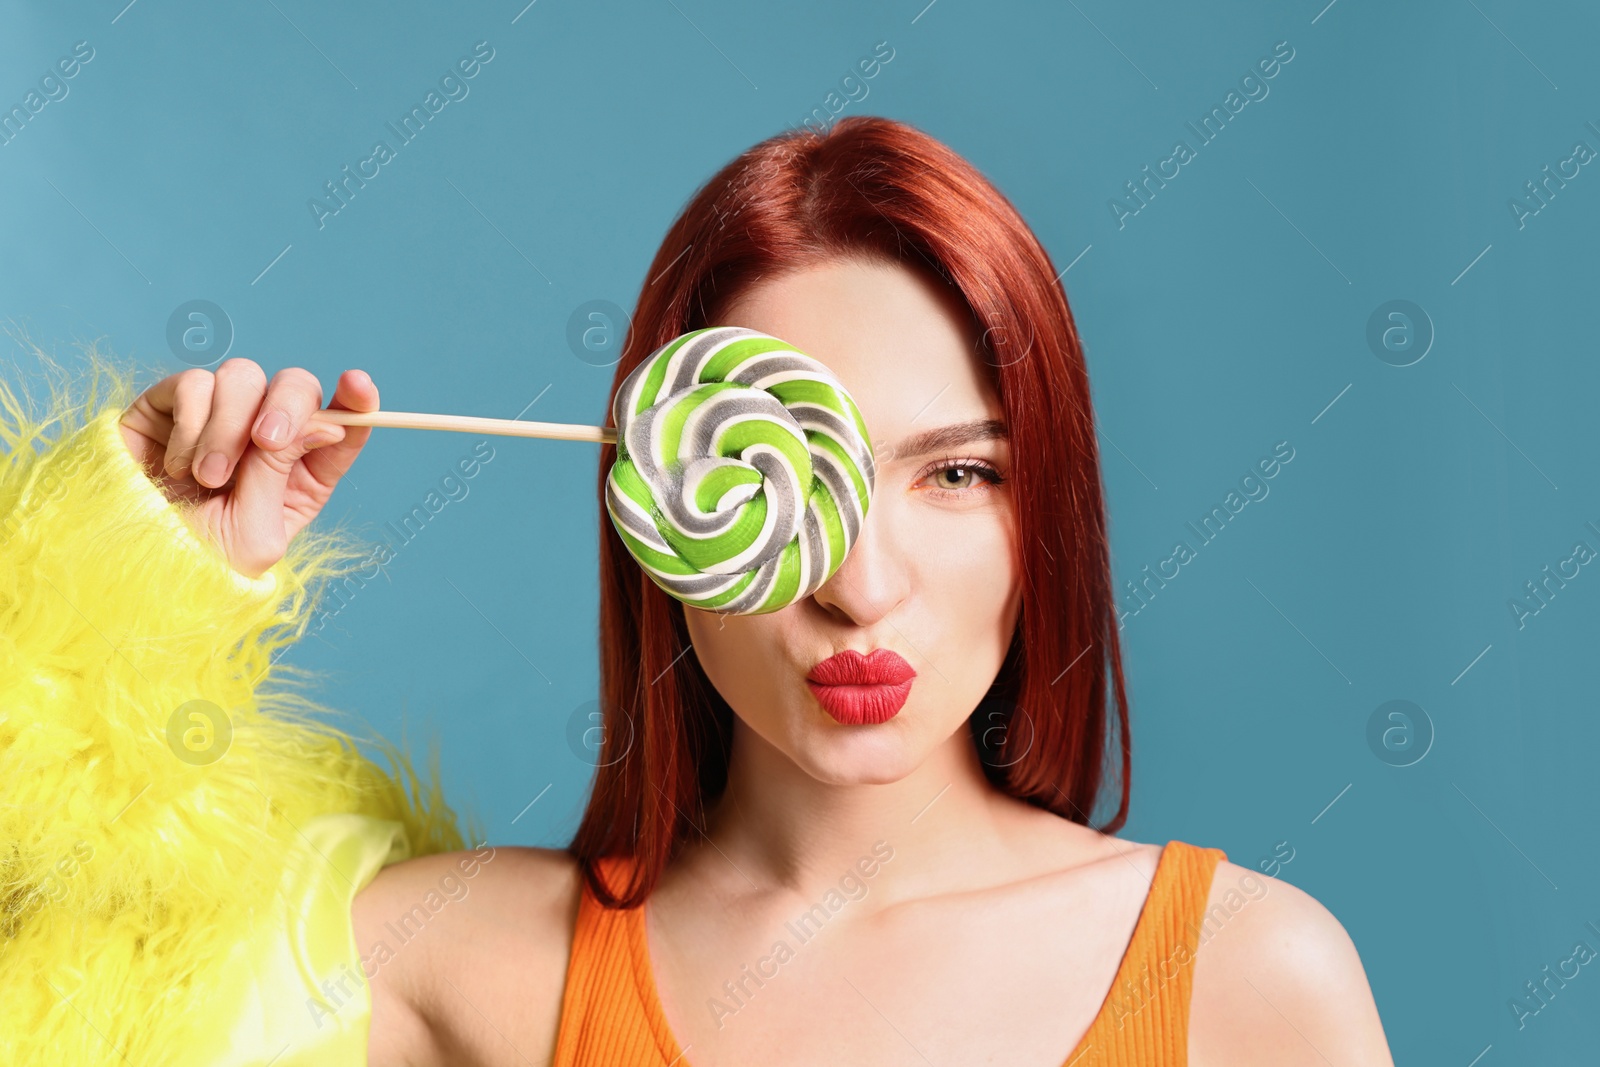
(744, 471)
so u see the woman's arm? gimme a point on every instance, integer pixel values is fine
(183, 834)
(1278, 982)
(468, 954)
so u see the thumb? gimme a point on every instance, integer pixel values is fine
(355, 391)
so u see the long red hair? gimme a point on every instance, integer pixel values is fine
(871, 187)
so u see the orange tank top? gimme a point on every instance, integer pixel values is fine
(610, 1014)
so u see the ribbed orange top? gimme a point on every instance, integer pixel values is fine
(611, 1016)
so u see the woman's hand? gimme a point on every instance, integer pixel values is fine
(247, 451)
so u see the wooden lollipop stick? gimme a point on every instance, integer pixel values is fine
(413, 420)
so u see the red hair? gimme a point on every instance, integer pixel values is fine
(874, 188)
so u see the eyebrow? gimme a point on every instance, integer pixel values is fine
(952, 436)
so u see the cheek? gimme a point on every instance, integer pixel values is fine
(737, 654)
(969, 568)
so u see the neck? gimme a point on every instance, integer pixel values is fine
(777, 827)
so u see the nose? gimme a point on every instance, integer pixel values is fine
(874, 578)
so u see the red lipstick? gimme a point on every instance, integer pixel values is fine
(862, 690)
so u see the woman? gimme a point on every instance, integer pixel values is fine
(854, 830)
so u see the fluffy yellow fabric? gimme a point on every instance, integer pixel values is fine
(129, 868)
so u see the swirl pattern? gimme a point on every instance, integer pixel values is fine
(744, 471)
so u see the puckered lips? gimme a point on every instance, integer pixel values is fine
(862, 690)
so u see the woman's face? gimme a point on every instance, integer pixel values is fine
(934, 574)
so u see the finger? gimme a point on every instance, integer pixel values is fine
(190, 410)
(291, 398)
(150, 415)
(285, 432)
(147, 424)
(159, 397)
(356, 391)
(235, 399)
(257, 500)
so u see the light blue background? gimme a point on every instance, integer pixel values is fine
(1223, 318)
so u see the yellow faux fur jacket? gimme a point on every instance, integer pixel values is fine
(182, 827)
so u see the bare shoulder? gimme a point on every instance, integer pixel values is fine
(1059, 847)
(466, 955)
(1277, 980)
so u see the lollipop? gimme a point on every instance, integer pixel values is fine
(743, 473)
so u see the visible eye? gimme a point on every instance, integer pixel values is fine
(960, 477)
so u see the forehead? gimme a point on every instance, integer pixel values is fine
(903, 344)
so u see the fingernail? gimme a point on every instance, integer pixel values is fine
(213, 469)
(273, 428)
(315, 440)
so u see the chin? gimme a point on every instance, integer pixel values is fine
(857, 776)
(855, 758)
